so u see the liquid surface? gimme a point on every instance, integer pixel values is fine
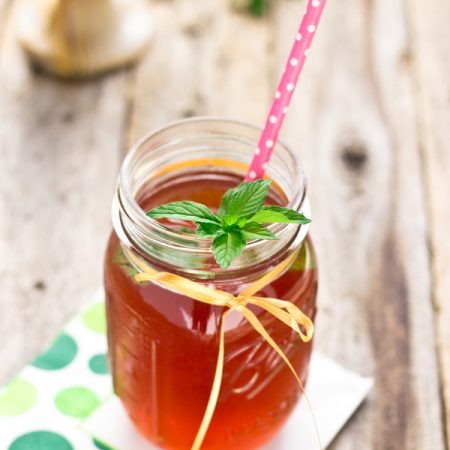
(163, 346)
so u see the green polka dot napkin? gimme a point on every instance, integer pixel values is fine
(42, 408)
(64, 399)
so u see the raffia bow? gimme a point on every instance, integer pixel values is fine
(283, 310)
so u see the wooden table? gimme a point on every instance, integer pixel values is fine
(371, 123)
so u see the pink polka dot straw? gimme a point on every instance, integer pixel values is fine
(286, 89)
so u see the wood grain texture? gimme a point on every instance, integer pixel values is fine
(432, 63)
(166, 87)
(354, 121)
(59, 153)
(205, 60)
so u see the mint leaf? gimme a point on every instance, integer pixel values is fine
(241, 218)
(185, 210)
(207, 230)
(253, 230)
(243, 201)
(227, 246)
(278, 214)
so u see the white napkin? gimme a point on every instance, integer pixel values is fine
(334, 393)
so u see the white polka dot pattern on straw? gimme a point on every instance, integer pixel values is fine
(286, 88)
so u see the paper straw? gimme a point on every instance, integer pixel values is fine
(286, 89)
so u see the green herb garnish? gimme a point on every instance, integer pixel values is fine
(255, 7)
(241, 218)
(258, 7)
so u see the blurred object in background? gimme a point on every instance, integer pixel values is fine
(82, 38)
(254, 7)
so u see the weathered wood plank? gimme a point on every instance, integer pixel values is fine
(354, 122)
(238, 42)
(59, 153)
(431, 40)
(205, 60)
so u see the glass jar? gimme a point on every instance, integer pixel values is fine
(163, 346)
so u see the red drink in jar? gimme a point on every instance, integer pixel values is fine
(162, 345)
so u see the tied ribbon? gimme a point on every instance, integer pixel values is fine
(283, 310)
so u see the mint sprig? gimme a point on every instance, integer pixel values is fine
(240, 219)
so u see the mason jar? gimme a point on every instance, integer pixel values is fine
(163, 346)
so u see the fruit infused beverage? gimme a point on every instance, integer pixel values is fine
(163, 346)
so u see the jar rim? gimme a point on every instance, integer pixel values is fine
(128, 204)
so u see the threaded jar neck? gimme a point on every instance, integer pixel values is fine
(202, 145)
